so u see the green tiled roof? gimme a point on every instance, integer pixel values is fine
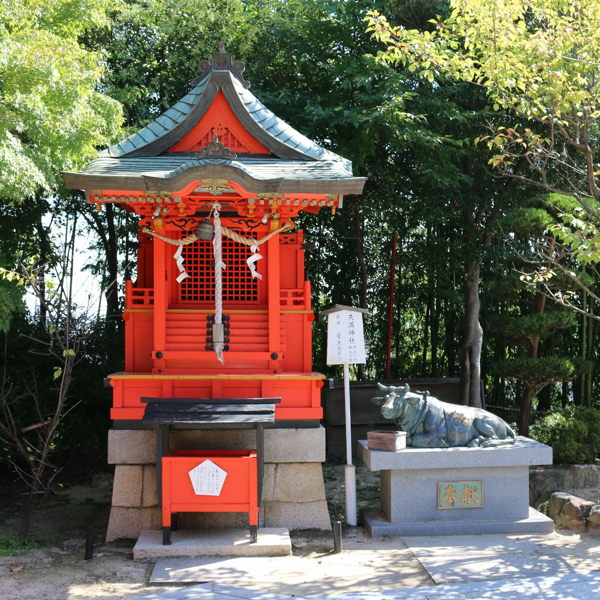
(260, 114)
(175, 164)
(163, 125)
(142, 161)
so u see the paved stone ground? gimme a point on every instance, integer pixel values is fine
(476, 567)
(562, 587)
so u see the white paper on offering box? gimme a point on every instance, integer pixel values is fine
(345, 338)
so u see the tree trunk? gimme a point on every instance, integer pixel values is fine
(425, 340)
(44, 252)
(363, 273)
(470, 353)
(112, 264)
(525, 409)
(435, 326)
(528, 392)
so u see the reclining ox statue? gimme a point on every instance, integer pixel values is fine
(431, 423)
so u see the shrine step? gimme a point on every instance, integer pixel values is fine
(213, 542)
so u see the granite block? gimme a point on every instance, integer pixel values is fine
(294, 482)
(128, 446)
(524, 452)
(149, 496)
(295, 445)
(131, 447)
(130, 522)
(453, 569)
(470, 545)
(188, 593)
(412, 496)
(127, 490)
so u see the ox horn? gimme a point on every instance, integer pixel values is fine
(378, 401)
(385, 389)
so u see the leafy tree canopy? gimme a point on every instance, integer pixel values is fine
(535, 58)
(52, 115)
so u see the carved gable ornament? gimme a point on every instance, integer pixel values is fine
(216, 149)
(221, 61)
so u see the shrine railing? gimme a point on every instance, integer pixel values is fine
(138, 297)
(295, 298)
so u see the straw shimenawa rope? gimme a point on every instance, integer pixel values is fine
(233, 235)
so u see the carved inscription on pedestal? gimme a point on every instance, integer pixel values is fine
(207, 479)
(460, 494)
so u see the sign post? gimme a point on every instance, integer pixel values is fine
(346, 346)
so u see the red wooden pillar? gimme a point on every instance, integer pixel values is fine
(160, 300)
(274, 302)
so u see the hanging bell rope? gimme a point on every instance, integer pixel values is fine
(220, 266)
(232, 235)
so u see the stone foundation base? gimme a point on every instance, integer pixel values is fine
(293, 491)
(376, 523)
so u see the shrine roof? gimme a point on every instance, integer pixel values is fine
(174, 171)
(150, 158)
(270, 123)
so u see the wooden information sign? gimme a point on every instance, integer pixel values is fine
(346, 346)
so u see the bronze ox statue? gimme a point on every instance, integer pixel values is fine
(431, 423)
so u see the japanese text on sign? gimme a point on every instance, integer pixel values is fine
(345, 338)
(460, 494)
(207, 479)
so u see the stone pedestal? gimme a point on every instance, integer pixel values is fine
(293, 492)
(489, 490)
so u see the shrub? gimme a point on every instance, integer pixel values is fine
(573, 433)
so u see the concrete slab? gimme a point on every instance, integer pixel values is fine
(242, 570)
(430, 546)
(239, 592)
(385, 565)
(376, 523)
(451, 569)
(188, 593)
(213, 542)
(562, 587)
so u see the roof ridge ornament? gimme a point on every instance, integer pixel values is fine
(221, 61)
(216, 149)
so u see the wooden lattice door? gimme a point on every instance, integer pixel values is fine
(199, 287)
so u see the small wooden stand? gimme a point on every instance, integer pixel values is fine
(242, 490)
(238, 494)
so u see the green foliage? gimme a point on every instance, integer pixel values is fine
(535, 60)
(12, 544)
(530, 221)
(81, 437)
(510, 287)
(521, 330)
(540, 371)
(153, 47)
(11, 301)
(573, 433)
(51, 114)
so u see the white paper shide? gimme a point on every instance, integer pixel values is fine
(207, 479)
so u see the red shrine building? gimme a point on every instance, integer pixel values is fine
(217, 162)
